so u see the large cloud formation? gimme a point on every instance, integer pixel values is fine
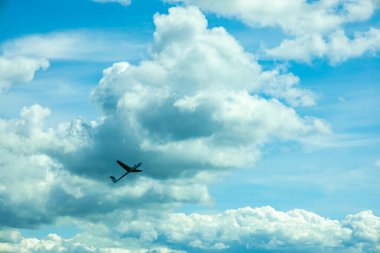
(316, 29)
(261, 229)
(200, 102)
(200, 106)
(267, 229)
(36, 188)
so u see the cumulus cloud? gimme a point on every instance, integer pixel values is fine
(201, 103)
(24, 145)
(264, 228)
(122, 2)
(313, 26)
(199, 106)
(19, 70)
(337, 47)
(246, 229)
(341, 48)
(54, 243)
(47, 190)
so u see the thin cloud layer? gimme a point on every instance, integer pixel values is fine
(79, 45)
(315, 28)
(122, 2)
(22, 57)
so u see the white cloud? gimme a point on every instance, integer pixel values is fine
(311, 25)
(47, 190)
(52, 243)
(198, 101)
(83, 243)
(337, 47)
(19, 70)
(79, 45)
(263, 228)
(302, 49)
(122, 2)
(22, 57)
(246, 229)
(341, 48)
(297, 17)
(201, 104)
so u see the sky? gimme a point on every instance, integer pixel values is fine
(257, 124)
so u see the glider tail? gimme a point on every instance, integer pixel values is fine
(114, 180)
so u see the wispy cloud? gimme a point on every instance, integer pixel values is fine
(122, 2)
(22, 57)
(74, 45)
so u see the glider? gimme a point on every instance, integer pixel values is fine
(127, 168)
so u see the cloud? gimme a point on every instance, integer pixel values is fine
(122, 2)
(263, 228)
(297, 17)
(21, 58)
(337, 47)
(246, 229)
(19, 70)
(198, 107)
(54, 243)
(73, 45)
(313, 26)
(199, 103)
(47, 190)
(24, 145)
(341, 48)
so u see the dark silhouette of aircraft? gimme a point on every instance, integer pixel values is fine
(128, 169)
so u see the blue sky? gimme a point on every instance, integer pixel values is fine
(257, 125)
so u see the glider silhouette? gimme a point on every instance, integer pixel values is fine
(128, 169)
